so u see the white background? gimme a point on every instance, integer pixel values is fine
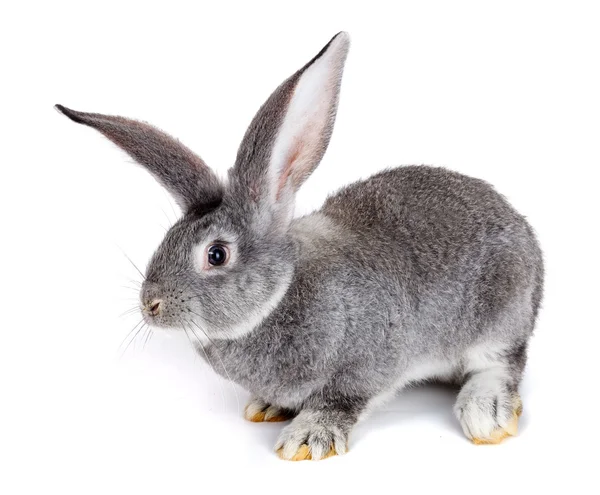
(508, 92)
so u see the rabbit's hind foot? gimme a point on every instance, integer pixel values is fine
(499, 434)
(488, 409)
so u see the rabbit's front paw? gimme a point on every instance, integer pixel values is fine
(257, 411)
(311, 437)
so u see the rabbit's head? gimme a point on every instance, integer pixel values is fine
(227, 263)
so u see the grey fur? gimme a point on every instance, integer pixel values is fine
(412, 266)
(176, 167)
(250, 170)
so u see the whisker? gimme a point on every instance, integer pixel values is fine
(171, 205)
(134, 337)
(129, 311)
(144, 334)
(131, 331)
(208, 360)
(237, 398)
(134, 289)
(170, 223)
(133, 264)
(148, 336)
(188, 336)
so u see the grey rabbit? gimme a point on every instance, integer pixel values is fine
(417, 273)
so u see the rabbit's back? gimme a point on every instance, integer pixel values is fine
(437, 207)
(447, 245)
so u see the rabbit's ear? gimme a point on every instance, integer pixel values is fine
(290, 133)
(183, 173)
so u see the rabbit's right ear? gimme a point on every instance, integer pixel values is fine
(183, 173)
(290, 133)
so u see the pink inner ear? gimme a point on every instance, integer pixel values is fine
(304, 133)
(289, 166)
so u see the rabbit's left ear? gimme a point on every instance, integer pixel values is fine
(183, 173)
(290, 133)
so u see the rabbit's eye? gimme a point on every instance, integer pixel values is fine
(217, 255)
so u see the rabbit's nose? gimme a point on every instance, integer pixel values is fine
(154, 307)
